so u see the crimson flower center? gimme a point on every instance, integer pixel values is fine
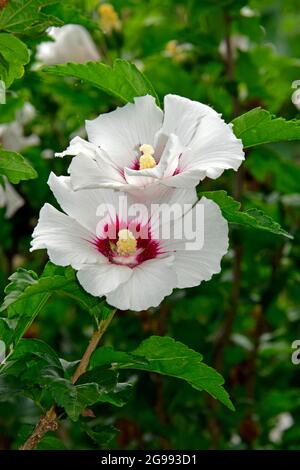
(127, 246)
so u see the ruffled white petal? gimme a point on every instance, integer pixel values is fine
(66, 241)
(213, 149)
(91, 167)
(194, 266)
(148, 285)
(101, 279)
(80, 146)
(121, 132)
(182, 117)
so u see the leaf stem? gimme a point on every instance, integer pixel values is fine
(49, 421)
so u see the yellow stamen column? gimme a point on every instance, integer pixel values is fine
(126, 244)
(147, 160)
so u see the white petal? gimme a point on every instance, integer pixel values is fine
(91, 168)
(66, 242)
(194, 266)
(171, 154)
(155, 193)
(143, 178)
(79, 146)
(121, 132)
(90, 174)
(72, 43)
(182, 117)
(101, 279)
(26, 114)
(2, 196)
(81, 206)
(89, 207)
(12, 137)
(166, 166)
(172, 205)
(213, 149)
(185, 179)
(148, 285)
(10, 199)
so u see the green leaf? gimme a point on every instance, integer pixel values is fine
(166, 356)
(15, 167)
(20, 303)
(38, 348)
(31, 362)
(123, 80)
(275, 170)
(6, 332)
(69, 14)
(19, 281)
(9, 109)
(100, 434)
(50, 443)
(13, 56)
(26, 17)
(258, 127)
(27, 294)
(112, 391)
(253, 218)
(75, 398)
(9, 387)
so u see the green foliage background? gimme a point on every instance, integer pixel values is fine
(245, 319)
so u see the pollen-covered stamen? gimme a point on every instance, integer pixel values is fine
(147, 160)
(126, 244)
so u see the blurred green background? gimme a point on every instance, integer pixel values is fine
(232, 56)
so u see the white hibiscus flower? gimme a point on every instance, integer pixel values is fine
(111, 255)
(139, 145)
(9, 198)
(12, 133)
(71, 43)
(12, 138)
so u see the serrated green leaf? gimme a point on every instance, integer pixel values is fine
(27, 294)
(26, 17)
(75, 398)
(166, 356)
(111, 390)
(258, 127)
(253, 218)
(19, 281)
(123, 80)
(15, 167)
(13, 56)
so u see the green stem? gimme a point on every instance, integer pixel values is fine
(49, 421)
